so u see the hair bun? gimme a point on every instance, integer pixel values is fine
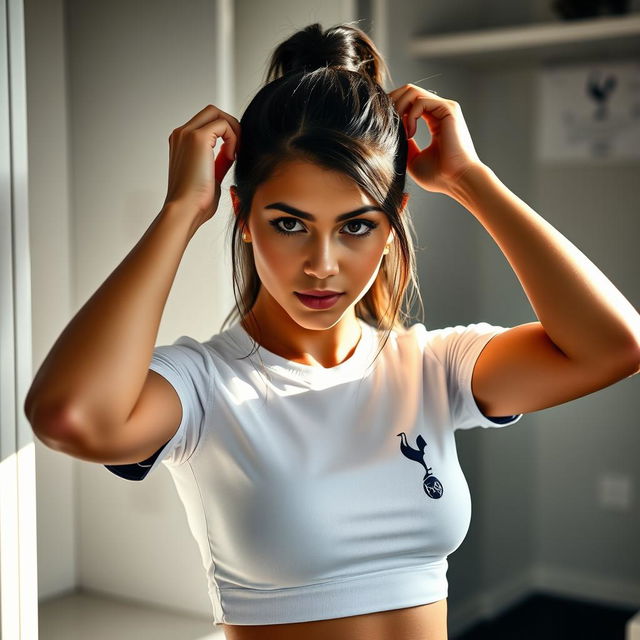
(342, 46)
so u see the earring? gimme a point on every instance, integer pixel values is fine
(244, 236)
(386, 249)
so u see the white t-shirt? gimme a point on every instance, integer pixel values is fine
(320, 493)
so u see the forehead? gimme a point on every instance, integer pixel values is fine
(305, 181)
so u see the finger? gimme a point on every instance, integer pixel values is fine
(220, 128)
(392, 94)
(432, 110)
(418, 108)
(202, 117)
(413, 150)
(401, 89)
(402, 97)
(406, 99)
(209, 114)
(235, 125)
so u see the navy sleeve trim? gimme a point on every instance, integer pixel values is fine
(137, 470)
(502, 420)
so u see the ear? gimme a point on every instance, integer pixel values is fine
(236, 202)
(234, 198)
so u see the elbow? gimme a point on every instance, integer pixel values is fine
(631, 359)
(55, 427)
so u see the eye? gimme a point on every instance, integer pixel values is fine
(359, 224)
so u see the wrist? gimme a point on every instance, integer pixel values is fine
(469, 183)
(184, 212)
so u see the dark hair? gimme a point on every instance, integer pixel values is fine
(322, 102)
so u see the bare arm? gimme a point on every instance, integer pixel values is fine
(96, 369)
(83, 397)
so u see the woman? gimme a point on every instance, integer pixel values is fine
(321, 480)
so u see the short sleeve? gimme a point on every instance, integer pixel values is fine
(188, 367)
(457, 348)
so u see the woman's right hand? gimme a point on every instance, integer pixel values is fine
(194, 176)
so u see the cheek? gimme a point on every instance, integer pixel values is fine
(368, 260)
(272, 261)
(360, 268)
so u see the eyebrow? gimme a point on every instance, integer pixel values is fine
(287, 208)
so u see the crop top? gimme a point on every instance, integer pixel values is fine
(317, 493)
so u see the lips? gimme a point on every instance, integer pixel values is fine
(318, 302)
(319, 293)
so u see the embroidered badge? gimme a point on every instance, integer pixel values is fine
(431, 485)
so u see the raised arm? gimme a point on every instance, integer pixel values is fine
(83, 396)
(94, 374)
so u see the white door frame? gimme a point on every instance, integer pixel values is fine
(18, 539)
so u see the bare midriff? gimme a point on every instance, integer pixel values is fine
(423, 622)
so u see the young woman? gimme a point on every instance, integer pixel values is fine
(312, 441)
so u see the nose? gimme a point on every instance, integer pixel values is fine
(322, 261)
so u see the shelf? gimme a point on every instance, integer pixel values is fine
(602, 37)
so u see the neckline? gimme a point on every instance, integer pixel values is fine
(272, 361)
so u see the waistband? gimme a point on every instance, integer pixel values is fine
(378, 591)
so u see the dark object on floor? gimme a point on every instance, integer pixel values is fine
(575, 9)
(551, 618)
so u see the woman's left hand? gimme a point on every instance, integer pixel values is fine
(451, 152)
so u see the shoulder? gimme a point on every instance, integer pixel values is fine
(449, 343)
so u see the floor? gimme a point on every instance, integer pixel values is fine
(85, 616)
(82, 615)
(549, 618)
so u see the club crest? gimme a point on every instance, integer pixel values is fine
(431, 485)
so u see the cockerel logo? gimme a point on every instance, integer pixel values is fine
(431, 485)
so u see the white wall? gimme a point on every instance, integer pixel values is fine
(51, 271)
(18, 521)
(260, 26)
